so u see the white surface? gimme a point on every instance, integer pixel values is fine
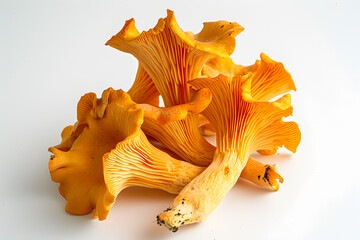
(52, 52)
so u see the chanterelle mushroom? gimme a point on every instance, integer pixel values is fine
(78, 169)
(243, 125)
(172, 57)
(270, 80)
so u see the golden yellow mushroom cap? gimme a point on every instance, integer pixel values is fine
(171, 56)
(78, 168)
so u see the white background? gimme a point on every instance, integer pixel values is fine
(53, 52)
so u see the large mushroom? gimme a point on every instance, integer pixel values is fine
(243, 125)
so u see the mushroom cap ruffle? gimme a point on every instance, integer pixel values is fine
(269, 80)
(234, 109)
(171, 56)
(79, 170)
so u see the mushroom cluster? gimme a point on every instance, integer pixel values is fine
(126, 139)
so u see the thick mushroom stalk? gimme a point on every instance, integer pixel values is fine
(243, 125)
(136, 162)
(263, 175)
(77, 161)
(172, 57)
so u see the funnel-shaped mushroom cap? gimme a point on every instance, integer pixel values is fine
(243, 125)
(270, 77)
(270, 80)
(244, 115)
(78, 169)
(171, 56)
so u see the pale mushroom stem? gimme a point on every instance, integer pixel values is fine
(262, 175)
(136, 162)
(189, 207)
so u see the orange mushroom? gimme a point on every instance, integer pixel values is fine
(243, 125)
(172, 57)
(78, 168)
(266, 72)
(136, 162)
